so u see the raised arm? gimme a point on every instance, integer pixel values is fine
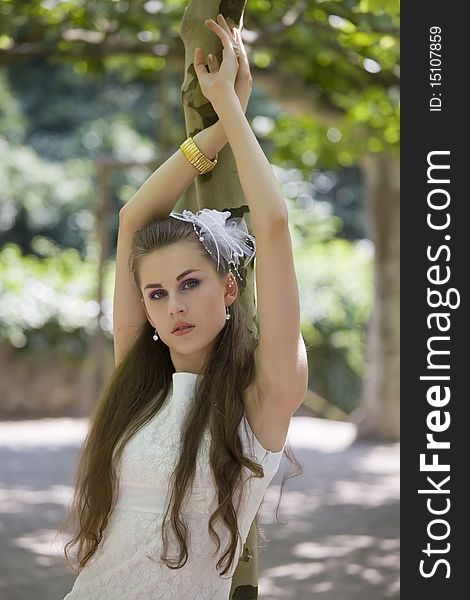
(161, 191)
(281, 358)
(157, 198)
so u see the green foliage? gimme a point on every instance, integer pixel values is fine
(103, 62)
(47, 301)
(335, 286)
(370, 124)
(80, 116)
(38, 196)
(96, 36)
(345, 55)
(12, 121)
(47, 174)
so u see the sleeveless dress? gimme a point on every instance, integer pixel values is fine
(120, 568)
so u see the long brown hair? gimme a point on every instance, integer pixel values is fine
(135, 393)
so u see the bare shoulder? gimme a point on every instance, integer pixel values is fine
(268, 418)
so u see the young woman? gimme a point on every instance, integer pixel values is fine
(191, 428)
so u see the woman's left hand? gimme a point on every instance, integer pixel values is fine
(233, 73)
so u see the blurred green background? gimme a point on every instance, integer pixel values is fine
(86, 82)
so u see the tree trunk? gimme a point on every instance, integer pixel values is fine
(378, 416)
(219, 189)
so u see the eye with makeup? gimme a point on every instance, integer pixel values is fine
(154, 296)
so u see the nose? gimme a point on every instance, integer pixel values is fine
(175, 307)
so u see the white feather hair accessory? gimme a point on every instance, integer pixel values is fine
(221, 237)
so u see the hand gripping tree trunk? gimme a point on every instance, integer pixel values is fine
(219, 189)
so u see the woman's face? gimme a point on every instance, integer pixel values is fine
(178, 283)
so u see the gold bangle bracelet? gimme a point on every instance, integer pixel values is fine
(196, 157)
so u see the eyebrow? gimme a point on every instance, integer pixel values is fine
(178, 277)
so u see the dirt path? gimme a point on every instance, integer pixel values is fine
(341, 540)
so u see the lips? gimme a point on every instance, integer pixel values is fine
(185, 331)
(180, 327)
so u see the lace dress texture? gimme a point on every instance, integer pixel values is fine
(120, 568)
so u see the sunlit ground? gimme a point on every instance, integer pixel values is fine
(341, 540)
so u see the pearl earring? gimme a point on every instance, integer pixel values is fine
(228, 315)
(155, 336)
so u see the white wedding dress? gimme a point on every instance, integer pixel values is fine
(120, 569)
